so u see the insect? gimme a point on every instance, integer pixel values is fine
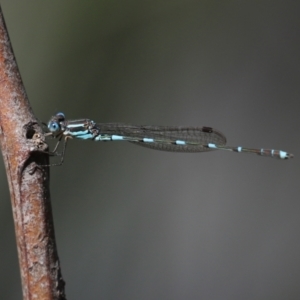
(165, 138)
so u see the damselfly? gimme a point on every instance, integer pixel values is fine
(165, 138)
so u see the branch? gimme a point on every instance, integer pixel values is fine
(22, 141)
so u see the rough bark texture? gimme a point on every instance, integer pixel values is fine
(21, 140)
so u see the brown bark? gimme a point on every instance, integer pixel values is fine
(21, 140)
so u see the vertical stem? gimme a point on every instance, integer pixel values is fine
(21, 140)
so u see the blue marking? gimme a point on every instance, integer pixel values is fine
(75, 125)
(147, 140)
(178, 142)
(117, 138)
(239, 149)
(77, 133)
(213, 146)
(85, 136)
(283, 154)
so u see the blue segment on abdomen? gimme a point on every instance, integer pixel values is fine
(147, 140)
(117, 137)
(77, 134)
(84, 136)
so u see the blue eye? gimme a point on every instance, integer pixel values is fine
(53, 126)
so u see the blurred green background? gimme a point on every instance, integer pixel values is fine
(133, 223)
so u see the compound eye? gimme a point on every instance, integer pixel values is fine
(54, 126)
(60, 116)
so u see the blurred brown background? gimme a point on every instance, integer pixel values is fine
(133, 223)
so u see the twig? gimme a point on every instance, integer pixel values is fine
(21, 140)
